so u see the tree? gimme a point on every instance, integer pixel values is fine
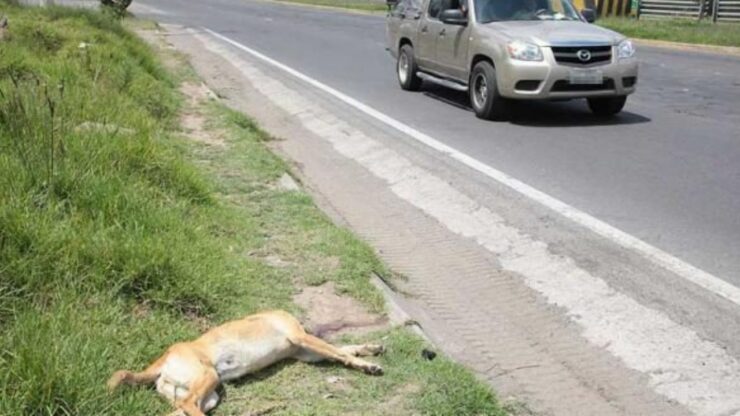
(118, 6)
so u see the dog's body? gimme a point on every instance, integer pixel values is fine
(189, 372)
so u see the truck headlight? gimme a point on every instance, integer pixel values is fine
(625, 49)
(524, 51)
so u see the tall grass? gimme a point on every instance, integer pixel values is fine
(111, 244)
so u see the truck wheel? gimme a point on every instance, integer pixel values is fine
(406, 69)
(487, 102)
(607, 106)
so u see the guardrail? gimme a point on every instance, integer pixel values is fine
(716, 10)
(728, 10)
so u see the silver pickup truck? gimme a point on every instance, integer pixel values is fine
(499, 50)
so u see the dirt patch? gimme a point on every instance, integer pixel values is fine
(196, 93)
(397, 403)
(192, 120)
(287, 183)
(141, 310)
(330, 315)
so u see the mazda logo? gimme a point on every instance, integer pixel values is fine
(584, 55)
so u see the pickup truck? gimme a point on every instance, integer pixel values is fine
(503, 50)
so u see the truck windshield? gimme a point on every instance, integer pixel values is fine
(487, 11)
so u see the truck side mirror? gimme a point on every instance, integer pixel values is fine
(589, 15)
(454, 17)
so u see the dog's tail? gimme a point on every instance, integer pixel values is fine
(149, 375)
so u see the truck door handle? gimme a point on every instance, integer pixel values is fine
(442, 32)
(424, 29)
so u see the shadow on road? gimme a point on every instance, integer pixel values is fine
(574, 113)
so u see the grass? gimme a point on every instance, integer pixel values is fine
(118, 241)
(676, 30)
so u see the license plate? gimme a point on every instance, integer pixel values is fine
(586, 76)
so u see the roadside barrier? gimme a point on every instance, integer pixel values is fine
(715, 10)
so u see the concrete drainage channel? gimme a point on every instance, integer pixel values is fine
(396, 312)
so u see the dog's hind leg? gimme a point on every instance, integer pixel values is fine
(149, 375)
(363, 350)
(313, 349)
(200, 396)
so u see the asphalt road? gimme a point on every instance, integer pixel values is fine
(666, 171)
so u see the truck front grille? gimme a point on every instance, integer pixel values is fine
(582, 55)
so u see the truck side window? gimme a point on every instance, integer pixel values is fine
(435, 8)
(399, 9)
(414, 6)
(438, 6)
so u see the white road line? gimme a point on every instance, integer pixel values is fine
(654, 254)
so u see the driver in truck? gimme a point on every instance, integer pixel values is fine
(526, 11)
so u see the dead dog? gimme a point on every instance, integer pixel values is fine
(189, 372)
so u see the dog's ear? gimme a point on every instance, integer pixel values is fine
(3, 22)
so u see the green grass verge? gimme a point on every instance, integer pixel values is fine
(676, 30)
(119, 241)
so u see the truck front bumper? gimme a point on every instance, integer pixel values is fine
(549, 79)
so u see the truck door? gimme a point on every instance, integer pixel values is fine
(393, 26)
(429, 28)
(452, 45)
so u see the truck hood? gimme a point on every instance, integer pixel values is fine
(555, 33)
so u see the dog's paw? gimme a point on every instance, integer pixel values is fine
(380, 349)
(373, 370)
(376, 349)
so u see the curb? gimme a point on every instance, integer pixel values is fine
(396, 313)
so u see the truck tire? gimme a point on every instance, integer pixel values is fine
(406, 69)
(606, 106)
(485, 99)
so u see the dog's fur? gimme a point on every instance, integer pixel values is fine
(189, 372)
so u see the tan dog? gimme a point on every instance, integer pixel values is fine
(189, 372)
